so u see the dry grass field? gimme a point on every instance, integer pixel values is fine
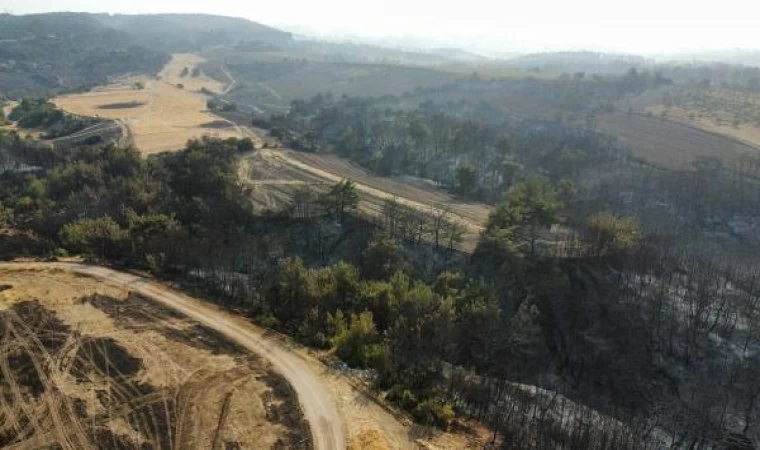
(172, 73)
(160, 116)
(85, 364)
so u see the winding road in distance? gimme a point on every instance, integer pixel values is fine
(319, 409)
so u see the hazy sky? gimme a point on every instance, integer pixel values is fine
(645, 26)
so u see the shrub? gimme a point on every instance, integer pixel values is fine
(101, 236)
(434, 412)
(613, 235)
(402, 397)
(357, 344)
(378, 357)
(267, 320)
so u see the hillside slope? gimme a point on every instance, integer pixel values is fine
(63, 52)
(46, 53)
(190, 32)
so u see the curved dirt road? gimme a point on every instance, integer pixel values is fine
(374, 190)
(324, 420)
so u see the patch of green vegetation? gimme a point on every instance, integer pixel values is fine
(41, 114)
(219, 105)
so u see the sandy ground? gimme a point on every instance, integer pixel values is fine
(87, 364)
(163, 117)
(160, 116)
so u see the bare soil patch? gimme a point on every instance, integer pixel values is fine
(88, 365)
(731, 112)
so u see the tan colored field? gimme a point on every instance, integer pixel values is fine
(160, 116)
(87, 364)
(172, 74)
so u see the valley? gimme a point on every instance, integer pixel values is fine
(160, 116)
(220, 234)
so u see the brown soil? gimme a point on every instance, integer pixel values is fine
(86, 365)
(745, 131)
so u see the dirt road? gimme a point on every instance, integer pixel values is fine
(324, 420)
(307, 168)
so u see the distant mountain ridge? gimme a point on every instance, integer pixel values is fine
(730, 56)
(579, 61)
(191, 32)
(58, 52)
(51, 53)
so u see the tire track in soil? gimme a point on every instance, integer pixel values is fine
(128, 399)
(52, 396)
(18, 398)
(158, 418)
